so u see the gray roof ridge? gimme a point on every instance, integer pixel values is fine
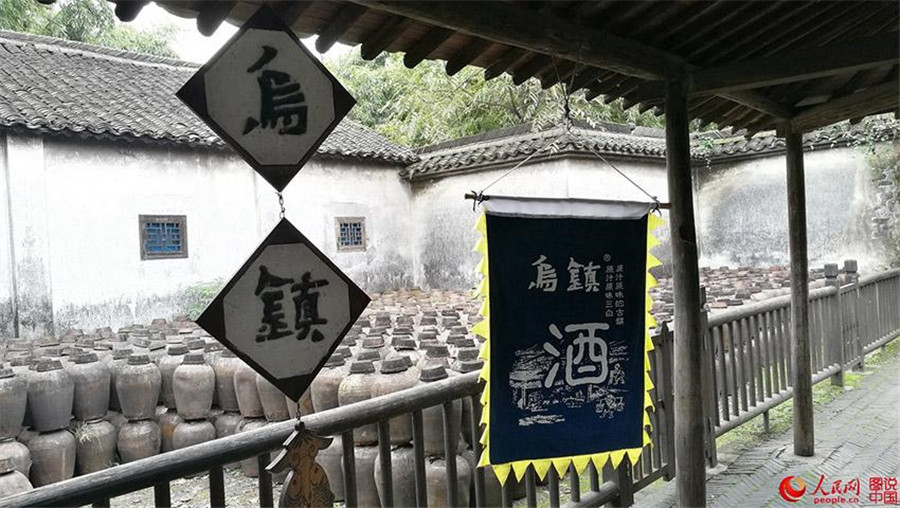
(93, 50)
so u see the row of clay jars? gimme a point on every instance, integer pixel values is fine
(324, 388)
(357, 387)
(90, 378)
(119, 358)
(137, 385)
(396, 375)
(11, 480)
(13, 401)
(167, 365)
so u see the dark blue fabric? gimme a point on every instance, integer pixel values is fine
(578, 414)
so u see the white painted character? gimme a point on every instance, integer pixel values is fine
(586, 360)
(546, 276)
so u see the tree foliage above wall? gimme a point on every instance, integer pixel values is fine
(424, 105)
(90, 21)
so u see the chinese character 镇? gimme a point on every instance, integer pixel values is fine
(574, 275)
(271, 290)
(586, 357)
(280, 99)
(546, 276)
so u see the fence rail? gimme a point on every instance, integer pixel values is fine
(746, 372)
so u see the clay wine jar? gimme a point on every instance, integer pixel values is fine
(356, 387)
(119, 358)
(168, 422)
(50, 396)
(167, 365)
(396, 376)
(366, 491)
(52, 457)
(247, 393)
(225, 366)
(274, 405)
(138, 440)
(18, 453)
(13, 400)
(435, 479)
(194, 383)
(332, 459)
(324, 388)
(193, 432)
(95, 446)
(433, 417)
(91, 380)
(250, 465)
(137, 385)
(12, 481)
(403, 476)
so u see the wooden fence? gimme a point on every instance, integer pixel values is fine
(746, 372)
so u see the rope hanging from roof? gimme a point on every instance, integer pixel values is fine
(567, 133)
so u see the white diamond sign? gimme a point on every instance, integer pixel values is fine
(268, 97)
(286, 310)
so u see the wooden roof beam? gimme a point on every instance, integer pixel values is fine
(868, 102)
(418, 52)
(546, 34)
(798, 65)
(334, 29)
(466, 55)
(380, 39)
(504, 63)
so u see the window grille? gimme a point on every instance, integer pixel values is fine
(351, 234)
(163, 236)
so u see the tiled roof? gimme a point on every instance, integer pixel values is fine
(726, 145)
(508, 146)
(54, 85)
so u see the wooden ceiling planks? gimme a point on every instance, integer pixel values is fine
(608, 47)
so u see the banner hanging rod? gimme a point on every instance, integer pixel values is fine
(477, 198)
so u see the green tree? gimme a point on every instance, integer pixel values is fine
(424, 105)
(90, 21)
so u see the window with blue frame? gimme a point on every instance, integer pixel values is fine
(163, 236)
(350, 233)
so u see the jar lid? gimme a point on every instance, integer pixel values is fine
(212, 346)
(362, 367)
(437, 351)
(344, 351)
(85, 342)
(193, 359)
(5, 372)
(122, 353)
(454, 338)
(394, 365)
(142, 342)
(86, 358)
(51, 351)
(403, 344)
(373, 343)
(7, 465)
(368, 355)
(467, 342)
(467, 353)
(433, 372)
(227, 353)
(47, 365)
(334, 360)
(140, 359)
(195, 344)
(427, 336)
(468, 365)
(156, 345)
(177, 349)
(21, 361)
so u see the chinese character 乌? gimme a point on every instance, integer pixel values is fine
(280, 99)
(270, 289)
(586, 359)
(546, 276)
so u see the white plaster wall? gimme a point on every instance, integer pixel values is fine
(444, 220)
(7, 266)
(742, 210)
(95, 193)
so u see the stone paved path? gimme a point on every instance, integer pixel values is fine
(857, 436)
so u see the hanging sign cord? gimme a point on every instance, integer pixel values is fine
(281, 204)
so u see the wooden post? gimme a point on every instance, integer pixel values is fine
(690, 471)
(800, 350)
(835, 339)
(851, 273)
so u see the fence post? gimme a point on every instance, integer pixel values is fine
(835, 339)
(707, 391)
(624, 479)
(852, 276)
(666, 340)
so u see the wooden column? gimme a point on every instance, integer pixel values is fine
(800, 350)
(690, 472)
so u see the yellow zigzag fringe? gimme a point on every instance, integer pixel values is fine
(483, 329)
